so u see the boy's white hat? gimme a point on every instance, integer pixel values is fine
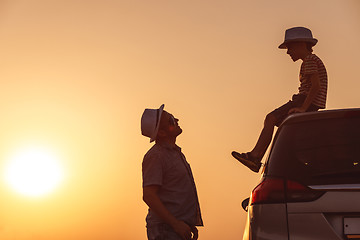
(298, 34)
(150, 122)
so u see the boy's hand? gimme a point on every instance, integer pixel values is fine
(296, 110)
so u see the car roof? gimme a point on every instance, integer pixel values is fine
(323, 114)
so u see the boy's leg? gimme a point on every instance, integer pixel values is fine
(273, 119)
(253, 159)
(265, 137)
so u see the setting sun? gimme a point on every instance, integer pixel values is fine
(33, 171)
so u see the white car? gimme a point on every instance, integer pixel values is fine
(310, 186)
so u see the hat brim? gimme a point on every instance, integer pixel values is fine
(160, 111)
(311, 40)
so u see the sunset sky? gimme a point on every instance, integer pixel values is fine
(76, 75)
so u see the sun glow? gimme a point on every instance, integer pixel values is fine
(33, 171)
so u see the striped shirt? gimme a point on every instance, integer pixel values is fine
(312, 64)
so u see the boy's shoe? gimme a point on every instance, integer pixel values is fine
(246, 159)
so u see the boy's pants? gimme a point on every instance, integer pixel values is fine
(283, 112)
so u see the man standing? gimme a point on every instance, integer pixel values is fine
(168, 184)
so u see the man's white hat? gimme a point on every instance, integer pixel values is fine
(150, 122)
(298, 34)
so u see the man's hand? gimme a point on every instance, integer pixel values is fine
(184, 230)
(195, 233)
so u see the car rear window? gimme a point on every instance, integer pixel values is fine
(317, 152)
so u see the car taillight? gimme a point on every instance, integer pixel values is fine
(296, 192)
(278, 190)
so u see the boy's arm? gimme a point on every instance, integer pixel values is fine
(151, 198)
(315, 87)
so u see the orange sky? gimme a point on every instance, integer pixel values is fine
(77, 75)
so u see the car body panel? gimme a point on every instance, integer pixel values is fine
(271, 225)
(328, 212)
(302, 227)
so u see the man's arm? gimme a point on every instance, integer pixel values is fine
(315, 87)
(151, 198)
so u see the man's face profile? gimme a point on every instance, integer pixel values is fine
(169, 125)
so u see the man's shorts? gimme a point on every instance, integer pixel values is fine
(283, 112)
(161, 231)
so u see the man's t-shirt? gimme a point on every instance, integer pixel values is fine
(166, 166)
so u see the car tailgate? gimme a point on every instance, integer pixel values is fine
(324, 218)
